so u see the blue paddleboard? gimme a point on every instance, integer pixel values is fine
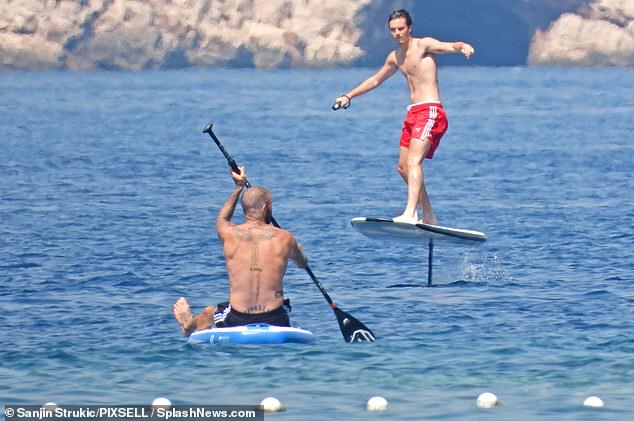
(252, 334)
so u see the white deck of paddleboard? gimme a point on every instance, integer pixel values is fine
(252, 334)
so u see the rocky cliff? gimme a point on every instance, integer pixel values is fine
(151, 34)
(601, 34)
(135, 34)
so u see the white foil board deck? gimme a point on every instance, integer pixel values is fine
(383, 228)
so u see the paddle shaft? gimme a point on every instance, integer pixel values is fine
(230, 160)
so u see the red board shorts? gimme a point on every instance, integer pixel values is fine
(426, 120)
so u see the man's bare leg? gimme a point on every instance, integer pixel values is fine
(423, 199)
(428, 213)
(205, 319)
(416, 192)
(402, 169)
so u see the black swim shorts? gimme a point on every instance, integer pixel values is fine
(225, 316)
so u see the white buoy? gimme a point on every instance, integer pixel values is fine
(377, 403)
(49, 406)
(593, 402)
(161, 403)
(271, 404)
(487, 400)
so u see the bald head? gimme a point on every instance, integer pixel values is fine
(257, 201)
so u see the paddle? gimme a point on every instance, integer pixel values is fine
(351, 328)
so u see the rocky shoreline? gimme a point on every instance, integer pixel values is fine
(163, 34)
(601, 34)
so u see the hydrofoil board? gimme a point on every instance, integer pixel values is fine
(382, 228)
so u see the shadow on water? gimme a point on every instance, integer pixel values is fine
(458, 284)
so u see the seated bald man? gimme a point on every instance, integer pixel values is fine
(256, 254)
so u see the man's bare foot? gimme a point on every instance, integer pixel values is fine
(406, 219)
(183, 315)
(429, 221)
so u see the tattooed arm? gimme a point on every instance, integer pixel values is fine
(223, 220)
(297, 254)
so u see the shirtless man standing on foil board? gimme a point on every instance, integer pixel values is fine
(425, 122)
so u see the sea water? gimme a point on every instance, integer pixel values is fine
(109, 190)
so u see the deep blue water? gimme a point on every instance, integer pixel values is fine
(108, 193)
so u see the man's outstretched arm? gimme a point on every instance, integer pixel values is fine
(434, 46)
(385, 72)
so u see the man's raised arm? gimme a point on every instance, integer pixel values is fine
(223, 219)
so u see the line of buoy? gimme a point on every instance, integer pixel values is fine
(375, 403)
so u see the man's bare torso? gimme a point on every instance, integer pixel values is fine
(256, 255)
(420, 70)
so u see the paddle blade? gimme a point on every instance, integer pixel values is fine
(352, 329)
